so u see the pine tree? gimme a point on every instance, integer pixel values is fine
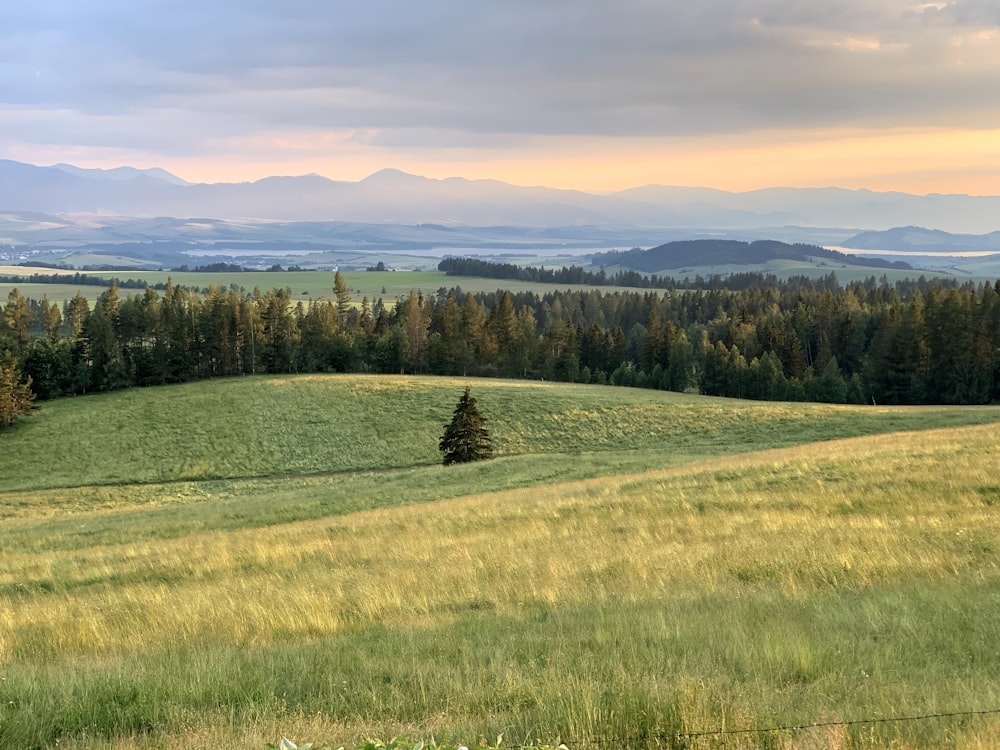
(343, 295)
(15, 323)
(15, 396)
(465, 438)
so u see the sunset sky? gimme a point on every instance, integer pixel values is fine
(587, 94)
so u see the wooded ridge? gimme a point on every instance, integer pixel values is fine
(912, 343)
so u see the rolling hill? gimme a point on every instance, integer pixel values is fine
(228, 562)
(714, 252)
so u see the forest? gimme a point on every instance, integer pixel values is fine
(815, 340)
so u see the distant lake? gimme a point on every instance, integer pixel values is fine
(528, 250)
(916, 253)
(244, 253)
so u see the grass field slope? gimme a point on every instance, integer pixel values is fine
(226, 562)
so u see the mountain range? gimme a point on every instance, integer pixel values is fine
(393, 197)
(919, 241)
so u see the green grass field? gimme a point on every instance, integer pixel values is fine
(223, 563)
(305, 285)
(389, 285)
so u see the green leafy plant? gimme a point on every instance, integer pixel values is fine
(396, 743)
(287, 744)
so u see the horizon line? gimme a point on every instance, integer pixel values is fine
(404, 174)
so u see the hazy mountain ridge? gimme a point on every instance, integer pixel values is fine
(394, 197)
(913, 239)
(121, 174)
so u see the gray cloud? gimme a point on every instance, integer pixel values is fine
(231, 68)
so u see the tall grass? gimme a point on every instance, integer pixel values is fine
(835, 581)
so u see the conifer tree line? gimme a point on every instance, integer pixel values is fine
(912, 343)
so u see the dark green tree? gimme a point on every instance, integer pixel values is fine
(465, 437)
(502, 322)
(391, 351)
(830, 387)
(281, 332)
(449, 351)
(48, 365)
(108, 366)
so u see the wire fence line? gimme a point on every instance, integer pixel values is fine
(849, 723)
(680, 737)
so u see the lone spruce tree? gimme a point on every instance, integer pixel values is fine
(465, 438)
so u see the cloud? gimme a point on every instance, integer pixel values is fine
(178, 74)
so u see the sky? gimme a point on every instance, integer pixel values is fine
(595, 95)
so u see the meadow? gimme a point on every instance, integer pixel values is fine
(226, 562)
(388, 286)
(305, 286)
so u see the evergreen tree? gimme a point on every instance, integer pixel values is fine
(830, 387)
(318, 327)
(677, 373)
(15, 323)
(449, 352)
(502, 322)
(281, 333)
(76, 312)
(415, 326)
(51, 319)
(15, 395)
(48, 366)
(465, 438)
(107, 365)
(476, 331)
(343, 295)
(391, 351)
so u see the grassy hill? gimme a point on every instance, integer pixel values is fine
(679, 254)
(221, 563)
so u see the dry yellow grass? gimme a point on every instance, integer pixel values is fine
(853, 513)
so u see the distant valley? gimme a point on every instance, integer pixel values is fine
(132, 218)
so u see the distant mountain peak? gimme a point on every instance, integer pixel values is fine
(284, 179)
(394, 196)
(390, 175)
(121, 174)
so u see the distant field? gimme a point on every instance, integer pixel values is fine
(220, 563)
(17, 270)
(390, 285)
(305, 285)
(58, 293)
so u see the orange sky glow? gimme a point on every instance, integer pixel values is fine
(731, 94)
(908, 160)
